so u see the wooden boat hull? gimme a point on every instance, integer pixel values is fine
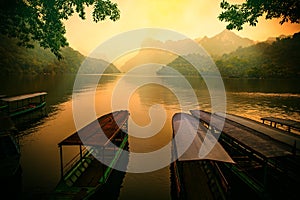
(27, 110)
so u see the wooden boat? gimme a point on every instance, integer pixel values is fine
(85, 174)
(267, 161)
(10, 165)
(10, 155)
(197, 176)
(2, 104)
(19, 105)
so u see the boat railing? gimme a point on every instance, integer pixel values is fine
(80, 158)
(75, 160)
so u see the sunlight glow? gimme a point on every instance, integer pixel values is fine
(193, 18)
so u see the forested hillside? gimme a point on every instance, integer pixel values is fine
(181, 64)
(20, 60)
(280, 59)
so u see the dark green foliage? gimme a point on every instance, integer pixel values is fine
(21, 60)
(281, 59)
(239, 14)
(41, 20)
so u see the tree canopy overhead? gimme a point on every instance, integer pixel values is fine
(42, 20)
(239, 14)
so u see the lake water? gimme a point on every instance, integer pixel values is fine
(40, 154)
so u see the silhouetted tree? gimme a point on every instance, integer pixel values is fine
(239, 14)
(41, 20)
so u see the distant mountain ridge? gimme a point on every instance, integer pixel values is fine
(278, 58)
(20, 60)
(216, 46)
(147, 56)
(224, 42)
(163, 53)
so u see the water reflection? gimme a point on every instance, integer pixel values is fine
(39, 151)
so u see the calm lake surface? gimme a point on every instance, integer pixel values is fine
(39, 151)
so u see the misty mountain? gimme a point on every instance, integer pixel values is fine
(224, 42)
(20, 60)
(274, 58)
(163, 52)
(97, 66)
(147, 56)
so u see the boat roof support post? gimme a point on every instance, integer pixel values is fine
(61, 162)
(265, 179)
(80, 150)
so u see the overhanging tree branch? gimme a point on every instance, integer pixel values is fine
(239, 14)
(41, 20)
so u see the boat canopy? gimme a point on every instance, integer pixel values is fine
(24, 96)
(98, 132)
(204, 146)
(249, 138)
(92, 135)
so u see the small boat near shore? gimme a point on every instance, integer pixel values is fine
(10, 165)
(102, 140)
(16, 106)
(9, 147)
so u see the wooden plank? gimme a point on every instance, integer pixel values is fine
(262, 146)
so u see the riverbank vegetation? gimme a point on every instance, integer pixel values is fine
(19, 60)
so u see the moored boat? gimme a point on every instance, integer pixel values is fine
(196, 175)
(10, 166)
(19, 105)
(267, 161)
(87, 172)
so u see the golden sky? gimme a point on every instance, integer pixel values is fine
(193, 18)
